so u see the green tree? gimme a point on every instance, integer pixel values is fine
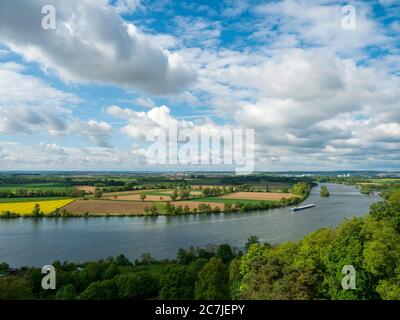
(178, 283)
(98, 193)
(213, 281)
(66, 292)
(174, 195)
(15, 288)
(252, 240)
(324, 192)
(111, 272)
(101, 290)
(142, 285)
(225, 253)
(235, 278)
(36, 211)
(4, 267)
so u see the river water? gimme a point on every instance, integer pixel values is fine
(40, 242)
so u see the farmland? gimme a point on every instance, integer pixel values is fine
(105, 207)
(258, 196)
(34, 186)
(26, 208)
(127, 194)
(35, 199)
(159, 202)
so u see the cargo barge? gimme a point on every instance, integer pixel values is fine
(302, 207)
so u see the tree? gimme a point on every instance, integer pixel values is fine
(178, 282)
(98, 193)
(324, 191)
(174, 195)
(301, 189)
(66, 292)
(153, 210)
(169, 208)
(184, 194)
(235, 278)
(121, 260)
(142, 285)
(142, 196)
(15, 288)
(185, 257)
(101, 290)
(4, 267)
(111, 272)
(36, 211)
(225, 253)
(251, 240)
(147, 258)
(213, 281)
(389, 290)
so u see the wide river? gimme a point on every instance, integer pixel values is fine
(40, 242)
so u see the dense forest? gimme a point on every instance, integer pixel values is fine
(306, 269)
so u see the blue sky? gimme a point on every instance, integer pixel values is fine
(318, 95)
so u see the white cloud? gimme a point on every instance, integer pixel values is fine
(145, 102)
(127, 6)
(319, 23)
(82, 49)
(28, 105)
(98, 132)
(48, 156)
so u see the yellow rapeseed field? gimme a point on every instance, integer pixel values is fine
(27, 207)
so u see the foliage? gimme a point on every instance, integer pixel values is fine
(213, 281)
(15, 288)
(324, 192)
(307, 269)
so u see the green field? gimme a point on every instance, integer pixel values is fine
(34, 186)
(157, 193)
(226, 200)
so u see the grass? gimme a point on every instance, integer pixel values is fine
(34, 186)
(226, 200)
(25, 208)
(157, 193)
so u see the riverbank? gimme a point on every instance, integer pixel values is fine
(225, 271)
(40, 241)
(211, 200)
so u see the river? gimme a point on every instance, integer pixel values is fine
(39, 242)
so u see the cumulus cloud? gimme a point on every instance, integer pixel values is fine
(29, 105)
(83, 49)
(140, 123)
(315, 93)
(98, 132)
(319, 23)
(127, 6)
(47, 156)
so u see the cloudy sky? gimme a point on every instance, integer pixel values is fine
(319, 96)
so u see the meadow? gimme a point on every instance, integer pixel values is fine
(34, 186)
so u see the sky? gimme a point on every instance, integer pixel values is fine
(319, 94)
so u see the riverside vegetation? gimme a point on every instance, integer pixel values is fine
(306, 269)
(207, 200)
